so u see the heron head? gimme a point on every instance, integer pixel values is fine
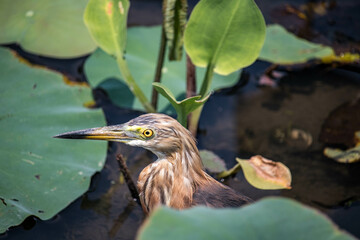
(156, 132)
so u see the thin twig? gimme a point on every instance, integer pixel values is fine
(130, 183)
(159, 66)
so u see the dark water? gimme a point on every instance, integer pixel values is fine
(237, 122)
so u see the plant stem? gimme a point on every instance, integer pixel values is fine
(194, 120)
(206, 84)
(190, 90)
(182, 118)
(134, 88)
(190, 78)
(205, 87)
(159, 66)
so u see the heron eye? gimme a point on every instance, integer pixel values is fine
(148, 133)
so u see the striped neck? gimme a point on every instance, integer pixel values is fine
(173, 178)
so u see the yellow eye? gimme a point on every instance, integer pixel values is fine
(148, 133)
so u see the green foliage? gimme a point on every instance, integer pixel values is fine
(271, 218)
(107, 22)
(282, 47)
(175, 12)
(212, 162)
(41, 175)
(142, 47)
(45, 27)
(226, 35)
(184, 107)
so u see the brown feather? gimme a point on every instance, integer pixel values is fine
(177, 178)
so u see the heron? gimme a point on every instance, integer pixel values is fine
(177, 178)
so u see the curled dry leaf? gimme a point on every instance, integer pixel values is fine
(263, 173)
(348, 156)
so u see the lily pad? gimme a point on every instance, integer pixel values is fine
(271, 218)
(283, 47)
(41, 175)
(46, 27)
(212, 162)
(141, 54)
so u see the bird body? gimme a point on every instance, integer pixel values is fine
(177, 178)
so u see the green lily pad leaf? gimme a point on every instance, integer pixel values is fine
(270, 218)
(175, 12)
(107, 21)
(282, 47)
(212, 162)
(184, 107)
(46, 27)
(118, 91)
(141, 53)
(41, 175)
(349, 156)
(263, 173)
(227, 35)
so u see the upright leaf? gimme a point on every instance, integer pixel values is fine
(184, 107)
(142, 46)
(107, 22)
(227, 35)
(174, 12)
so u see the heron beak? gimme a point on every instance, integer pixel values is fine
(116, 133)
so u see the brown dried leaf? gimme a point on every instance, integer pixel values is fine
(263, 173)
(348, 156)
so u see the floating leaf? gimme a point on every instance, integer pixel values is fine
(349, 156)
(175, 12)
(263, 173)
(212, 162)
(46, 27)
(282, 47)
(227, 35)
(141, 51)
(270, 218)
(41, 175)
(184, 107)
